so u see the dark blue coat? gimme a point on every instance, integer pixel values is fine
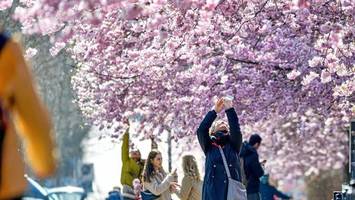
(114, 195)
(252, 168)
(268, 191)
(215, 183)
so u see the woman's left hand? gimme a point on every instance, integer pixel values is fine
(227, 103)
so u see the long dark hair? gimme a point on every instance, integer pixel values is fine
(148, 170)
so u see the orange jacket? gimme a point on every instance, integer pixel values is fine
(31, 120)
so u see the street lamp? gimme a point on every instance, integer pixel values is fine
(348, 192)
(352, 152)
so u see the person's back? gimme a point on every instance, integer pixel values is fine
(196, 191)
(191, 189)
(25, 112)
(191, 184)
(252, 167)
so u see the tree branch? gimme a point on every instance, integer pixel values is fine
(111, 77)
(242, 61)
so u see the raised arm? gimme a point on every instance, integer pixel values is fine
(280, 194)
(203, 131)
(235, 134)
(154, 144)
(125, 147)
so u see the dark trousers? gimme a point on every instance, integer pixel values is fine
(254, 196)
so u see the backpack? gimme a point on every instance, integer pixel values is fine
(242, 171)
(3, 114)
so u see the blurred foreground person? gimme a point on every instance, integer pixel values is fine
(268, 192)
(21, 109)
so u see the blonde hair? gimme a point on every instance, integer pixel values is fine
(190, 167)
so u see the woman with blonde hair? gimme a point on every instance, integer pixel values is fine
(191, 185)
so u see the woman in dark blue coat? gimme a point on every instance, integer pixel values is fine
(215, 183)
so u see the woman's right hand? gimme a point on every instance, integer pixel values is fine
(174, 186)
(219, 105)
(126, 121)
(174, 174)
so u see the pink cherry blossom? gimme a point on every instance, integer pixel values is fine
(30, 52)
(288, 65)
(5, 4)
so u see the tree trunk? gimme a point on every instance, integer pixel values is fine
(321, 187)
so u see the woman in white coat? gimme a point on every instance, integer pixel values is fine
(156, 180)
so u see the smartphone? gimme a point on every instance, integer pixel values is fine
(228, 98)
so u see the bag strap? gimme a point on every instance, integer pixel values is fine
(224, 162)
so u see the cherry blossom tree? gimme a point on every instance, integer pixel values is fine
(167, 61)
(302, 145)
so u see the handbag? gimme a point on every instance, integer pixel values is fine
(236, 189)
(147, 195)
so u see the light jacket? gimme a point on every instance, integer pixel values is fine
(191, 189)
(160, 185)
